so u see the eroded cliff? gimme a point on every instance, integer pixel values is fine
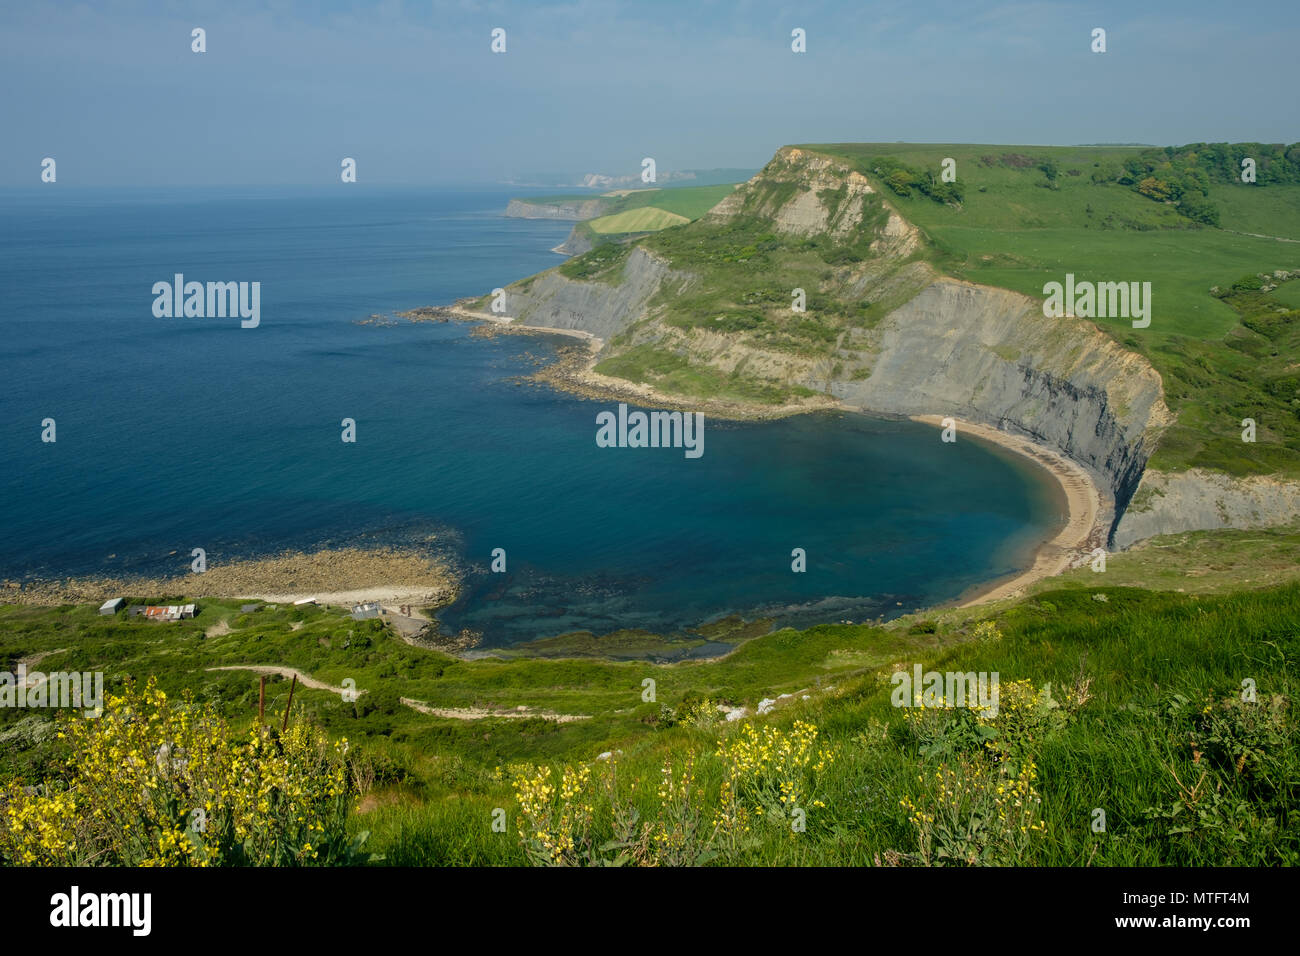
(885, 332)
(575, 210)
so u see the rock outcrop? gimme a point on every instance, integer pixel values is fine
(575, 244)
(946, 347)
(575, 210)
(1193, 500)
(828, 199)
(604, 309)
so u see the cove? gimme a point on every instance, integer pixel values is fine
(174, 435)
(606, 539)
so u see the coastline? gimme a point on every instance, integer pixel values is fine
(344, 576)
(350, 576)
(574, 371)
(1069, 547)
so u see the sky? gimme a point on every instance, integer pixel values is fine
(414, 93)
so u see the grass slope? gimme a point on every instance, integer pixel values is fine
(1147, 725)
(688, 202)
(645, 219)
(1223, 356)
(1016, 230)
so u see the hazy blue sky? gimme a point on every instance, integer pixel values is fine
(413, 92)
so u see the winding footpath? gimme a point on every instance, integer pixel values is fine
(450, 713)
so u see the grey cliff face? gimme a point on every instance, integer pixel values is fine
(953, 348)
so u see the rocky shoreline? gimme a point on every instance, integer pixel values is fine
(573, 370)
(339, 576)
(350, 575)
(1086, 505)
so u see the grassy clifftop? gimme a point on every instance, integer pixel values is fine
(1223, 356)
(1172, 714)
(1223, 340)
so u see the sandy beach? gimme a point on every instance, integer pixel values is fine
(1073, 544)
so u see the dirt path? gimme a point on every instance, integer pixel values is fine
(283, 672)
(1256, 235)
(30, 661)
(479, 713)
(453, 713)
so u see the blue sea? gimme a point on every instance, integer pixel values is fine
(176, 433)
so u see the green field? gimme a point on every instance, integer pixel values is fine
(644, 219)
(692, 202)
(1160, 692)
(1289, 294)
(1111, 697)
(1011, 231)
(644, 210)
(1269, 212)
(1223, 355)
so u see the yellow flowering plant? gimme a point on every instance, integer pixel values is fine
(973, 813)
(155, 783)
(1025, 717)
(558, 827)
(677, 836)
(555, 815)
(767, 774)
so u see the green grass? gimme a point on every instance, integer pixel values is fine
(1289, 293)
(688, 202)
(1151, 661)
(675, 373)
(645, 219)
(603, 264)
(1270, 211)
(1014, 231)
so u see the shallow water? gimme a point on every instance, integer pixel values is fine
(182, 433)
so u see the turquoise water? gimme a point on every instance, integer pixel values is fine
(193, 432)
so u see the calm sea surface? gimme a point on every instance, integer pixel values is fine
(182, 433)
